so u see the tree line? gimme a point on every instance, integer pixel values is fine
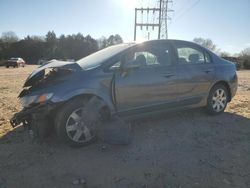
(76, 46)
(34, 48)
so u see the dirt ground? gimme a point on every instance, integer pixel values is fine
(181, 149)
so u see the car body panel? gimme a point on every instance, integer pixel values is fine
(194, 81)
(136, 90)
(100, 87)
(226, 72)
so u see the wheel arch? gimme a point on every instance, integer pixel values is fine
(225, 84)
(107, 109)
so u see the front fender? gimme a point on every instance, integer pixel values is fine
(86, 91)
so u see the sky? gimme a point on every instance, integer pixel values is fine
(226, 22)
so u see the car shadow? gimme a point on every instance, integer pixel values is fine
(169, 119)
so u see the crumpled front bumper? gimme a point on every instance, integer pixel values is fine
(25, 116)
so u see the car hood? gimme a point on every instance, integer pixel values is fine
(39, 73)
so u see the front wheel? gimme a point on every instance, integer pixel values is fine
(71, 125)
(217, 99)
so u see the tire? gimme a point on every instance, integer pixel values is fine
(69, 128)
(217, 100)
(40, 126)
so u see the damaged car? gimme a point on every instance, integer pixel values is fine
(125, 80)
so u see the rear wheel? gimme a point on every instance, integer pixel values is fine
(217, 99)
(72, 126)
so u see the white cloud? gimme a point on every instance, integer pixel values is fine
(247, 44)
(229, 46)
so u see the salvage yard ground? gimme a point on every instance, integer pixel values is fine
(181, 149)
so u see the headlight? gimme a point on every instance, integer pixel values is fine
(26, 101)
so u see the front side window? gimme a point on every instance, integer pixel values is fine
(149, 56)
(189, 55)
(150, 59)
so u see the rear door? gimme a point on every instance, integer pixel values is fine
(195, 72)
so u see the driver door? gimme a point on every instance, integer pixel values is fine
(147, 84)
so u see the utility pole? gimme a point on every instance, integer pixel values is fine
(141, 24)
(160, 21)
(162, 12)
(165, 18)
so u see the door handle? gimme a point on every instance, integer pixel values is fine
(168, 75)
(207, 71)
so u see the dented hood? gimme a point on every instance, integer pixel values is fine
(39, 73)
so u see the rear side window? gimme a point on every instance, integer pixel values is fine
(189, 55)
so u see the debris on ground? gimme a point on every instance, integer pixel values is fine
(104, 147)
(79, 181)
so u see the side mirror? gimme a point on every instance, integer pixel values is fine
(115, 68)
(132, 65)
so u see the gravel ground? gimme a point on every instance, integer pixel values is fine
(181, 149)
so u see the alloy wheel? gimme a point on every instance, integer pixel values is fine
(219, 100)
(77, 129)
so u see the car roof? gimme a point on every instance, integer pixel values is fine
(170, 40)
(173, 41)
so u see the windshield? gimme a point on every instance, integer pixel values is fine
(96, 59)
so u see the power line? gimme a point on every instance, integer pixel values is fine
(184, 4)
(188, 9)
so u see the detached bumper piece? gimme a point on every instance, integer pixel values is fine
(35, 119)
(21, 117)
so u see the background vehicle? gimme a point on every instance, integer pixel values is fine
(15, 62)
(125, 80)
